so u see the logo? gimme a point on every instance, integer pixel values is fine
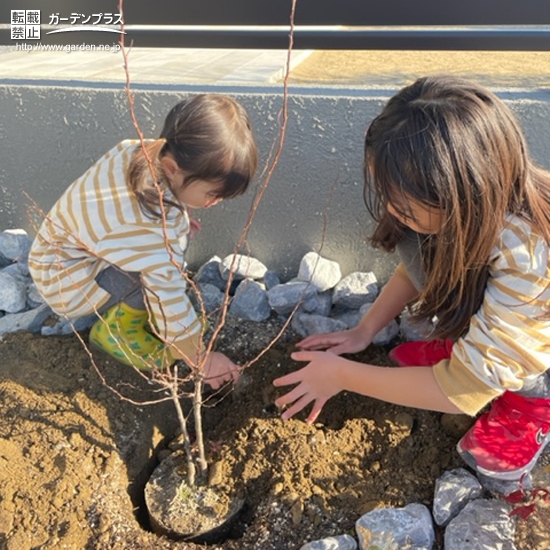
(541, 436)
(25, 24)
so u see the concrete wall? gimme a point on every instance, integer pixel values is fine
(50, 135)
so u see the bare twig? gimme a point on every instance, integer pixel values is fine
(260, 193)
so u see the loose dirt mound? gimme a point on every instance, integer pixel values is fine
(75, 457)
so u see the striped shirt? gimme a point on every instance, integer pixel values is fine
(507, 345)
(97, 222)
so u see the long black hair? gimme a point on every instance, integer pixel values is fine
(452, 145)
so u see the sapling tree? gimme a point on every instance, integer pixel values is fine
(190, 373)
(172, 383)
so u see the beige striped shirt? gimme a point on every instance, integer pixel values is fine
(508, 343)
(97, 222)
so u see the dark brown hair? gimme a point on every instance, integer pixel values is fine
(210, 138)
(452, 145)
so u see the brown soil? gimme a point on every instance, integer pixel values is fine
(75, 457)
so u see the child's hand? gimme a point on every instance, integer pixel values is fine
(219, 369)
(346, 341)
(194, 226)
(318, 382)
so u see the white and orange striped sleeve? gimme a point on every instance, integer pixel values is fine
(508, 341)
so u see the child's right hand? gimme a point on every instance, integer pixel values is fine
(346, 341)
(219, 369)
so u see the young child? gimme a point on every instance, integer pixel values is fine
(114, 242)
(452, 189)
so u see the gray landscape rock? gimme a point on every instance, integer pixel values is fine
(453, 490)
(481, 524)
(34, 298)
(23, 265)
(244, 267)
(387, 334)
(318, 304)
(31, 320)
(350, 317)
(413, 331)
(396, 528)
(284, 298)
(210, 273)
(212, 297)
(250, 302)
(14, 244)
(64, 326)
(355, 290)
(306, 324)
(501, 487)
(271, 279)
(340, 542)
(13, 293)
(13, 270)
(322, 273)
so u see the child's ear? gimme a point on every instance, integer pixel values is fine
(169, 165)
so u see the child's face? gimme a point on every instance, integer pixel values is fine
(199, 194)
(422, 219)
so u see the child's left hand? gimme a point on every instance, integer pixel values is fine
(318, 382)
(219, 369)
(194, 226)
